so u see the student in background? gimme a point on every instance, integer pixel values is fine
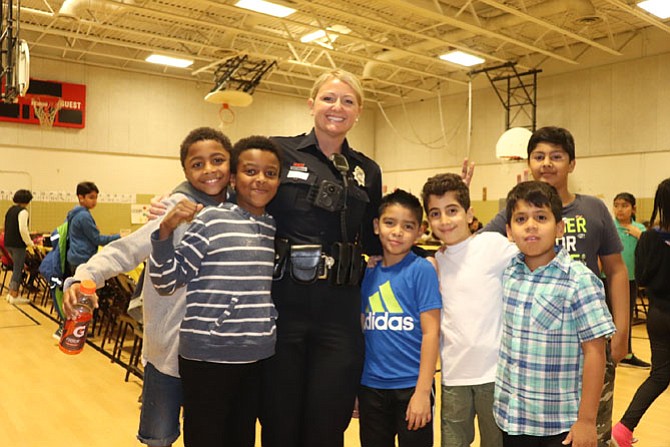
(652, 270)
(589, 236)
(401, 324)
(555, 324)
(17, 241)
(205, 157)
(629, 231)
(470, 268)
(225, 261)
(84, 236)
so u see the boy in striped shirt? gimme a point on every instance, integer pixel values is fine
(225, 260)
(555, 325)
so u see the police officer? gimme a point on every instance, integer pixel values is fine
(324, 208)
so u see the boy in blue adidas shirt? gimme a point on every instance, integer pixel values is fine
(401, 321)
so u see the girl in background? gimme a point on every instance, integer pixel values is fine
(629, 231)
(17, 241)
(652, 269)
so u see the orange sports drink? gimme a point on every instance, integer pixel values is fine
(74, 332)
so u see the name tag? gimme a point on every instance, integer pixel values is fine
(297, 174)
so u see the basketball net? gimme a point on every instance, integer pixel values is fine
(226, 116)
(46, 110)
(507, 161)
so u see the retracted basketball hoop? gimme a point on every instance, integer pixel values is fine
(46, 109)
(228, 98)
(512, 144)
(235, 81)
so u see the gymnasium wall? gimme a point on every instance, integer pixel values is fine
(135, 123)
(130, 146)
(618, 114)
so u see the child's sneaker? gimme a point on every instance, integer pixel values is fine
(622, 436)
(18, 300)
(634, 362)
(59, 333)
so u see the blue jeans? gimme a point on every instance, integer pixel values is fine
(18, 255)
(459, 406)
(161, 404)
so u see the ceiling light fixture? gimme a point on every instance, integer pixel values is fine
(659, 8)
(167, 60)
(318, 34)
(462, 58)
(264, 7)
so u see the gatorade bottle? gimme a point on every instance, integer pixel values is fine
(74, 332)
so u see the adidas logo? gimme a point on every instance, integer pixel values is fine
(379, 312)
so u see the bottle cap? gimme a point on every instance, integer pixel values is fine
(87, 286)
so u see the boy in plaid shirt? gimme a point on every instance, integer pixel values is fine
(555, 324)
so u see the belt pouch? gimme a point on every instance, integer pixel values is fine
(341, 252)
(305, 263)
(357, 265)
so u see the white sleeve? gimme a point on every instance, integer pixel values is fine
(23, 228)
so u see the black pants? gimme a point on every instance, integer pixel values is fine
(382, 416)
(534, 441)
(310, 384)
(220, 403)
(658, 327)
(632, 293)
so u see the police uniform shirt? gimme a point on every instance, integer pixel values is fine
(304, 167)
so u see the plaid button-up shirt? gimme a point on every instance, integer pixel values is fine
(547, 314)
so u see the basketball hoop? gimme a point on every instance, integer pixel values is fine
(512, 144)
(228, 98)
(46, 109)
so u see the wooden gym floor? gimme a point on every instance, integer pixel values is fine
(49, 399)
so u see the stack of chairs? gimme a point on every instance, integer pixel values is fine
(7, 265)
(33, 283)
(112, 324)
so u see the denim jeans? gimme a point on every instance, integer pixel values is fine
(18, 258)
(161, 405)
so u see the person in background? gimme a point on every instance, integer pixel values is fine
(629, 231)
(18, 241)
(470, 268)
(225, 261)
(589, 236)
(327, 200)
(84, 236)
(551, 362)
(205, 158)
(475, 225)
(401, 323)
(652, 270)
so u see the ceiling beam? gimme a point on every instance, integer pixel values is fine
(642, 15)
(551, 26)
(477, 30)
(285, 41)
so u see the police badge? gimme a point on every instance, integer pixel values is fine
(359, 176)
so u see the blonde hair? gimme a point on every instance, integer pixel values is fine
(348, 78)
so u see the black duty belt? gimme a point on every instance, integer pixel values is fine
(306, 264)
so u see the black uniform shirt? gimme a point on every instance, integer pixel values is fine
(304, 167)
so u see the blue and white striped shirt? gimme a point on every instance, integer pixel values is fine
(547, 314)
(225, 260)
